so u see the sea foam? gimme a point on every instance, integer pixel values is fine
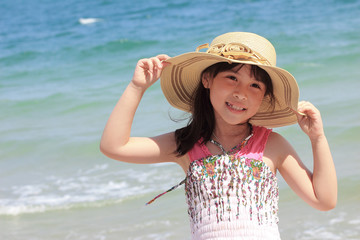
(85, 21)
(91, 187)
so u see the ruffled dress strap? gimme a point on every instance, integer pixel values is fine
(256, 145)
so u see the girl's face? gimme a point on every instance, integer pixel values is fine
(235, 94)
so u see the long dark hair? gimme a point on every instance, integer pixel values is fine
(202, 120)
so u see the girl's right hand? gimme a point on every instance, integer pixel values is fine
(148, 71)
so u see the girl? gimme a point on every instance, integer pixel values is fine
(235, 94)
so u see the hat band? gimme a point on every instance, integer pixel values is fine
(236, 51)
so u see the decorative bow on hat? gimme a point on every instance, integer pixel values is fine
(236, 51)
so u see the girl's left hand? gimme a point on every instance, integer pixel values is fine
(311, 122)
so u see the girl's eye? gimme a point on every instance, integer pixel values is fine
(232, 78)
(255, 85)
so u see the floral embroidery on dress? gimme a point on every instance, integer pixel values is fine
(209, 167)
(256, 167)
(220, 180)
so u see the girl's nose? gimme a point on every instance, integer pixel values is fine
(239, 94)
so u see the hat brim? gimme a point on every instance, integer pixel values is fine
(180, 79)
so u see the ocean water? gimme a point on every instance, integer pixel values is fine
(63, 66)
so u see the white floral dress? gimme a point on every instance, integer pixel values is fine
(233, 195)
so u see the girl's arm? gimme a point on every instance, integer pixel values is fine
(116, 142)
(319, 188)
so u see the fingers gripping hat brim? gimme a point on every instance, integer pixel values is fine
(180, 79)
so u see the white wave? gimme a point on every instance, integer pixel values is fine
(43, 203)
(354, 222)
(20, 209)
(89, 187)
(28, 190)
(66, 194)
(339, 218)
(85, 21)
(96, 168)
(319, 233)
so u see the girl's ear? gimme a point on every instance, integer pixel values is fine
(205, 79)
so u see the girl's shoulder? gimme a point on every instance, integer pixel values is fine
(277, 148)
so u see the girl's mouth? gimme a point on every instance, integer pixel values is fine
(236, 108)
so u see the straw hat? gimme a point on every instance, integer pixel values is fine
(180, 79)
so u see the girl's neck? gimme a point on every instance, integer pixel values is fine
(232, 135)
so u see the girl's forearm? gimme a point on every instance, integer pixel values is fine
(118, 128)
(324, 174)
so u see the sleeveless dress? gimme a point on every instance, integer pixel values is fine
(233, 195)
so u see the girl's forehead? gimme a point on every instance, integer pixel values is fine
(243, 68)
(240, 69)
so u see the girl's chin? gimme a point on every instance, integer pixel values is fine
(236, 122)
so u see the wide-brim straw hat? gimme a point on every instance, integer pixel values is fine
(180, 79)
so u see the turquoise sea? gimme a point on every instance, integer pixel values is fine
(63, 66)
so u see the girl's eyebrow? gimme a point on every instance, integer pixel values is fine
(232, 71)
(236, 72)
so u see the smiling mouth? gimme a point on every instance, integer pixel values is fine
(235, 107)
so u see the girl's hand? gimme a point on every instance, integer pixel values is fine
(310, 122)
(148, 71)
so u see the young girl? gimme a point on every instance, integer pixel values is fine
(235, 94)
